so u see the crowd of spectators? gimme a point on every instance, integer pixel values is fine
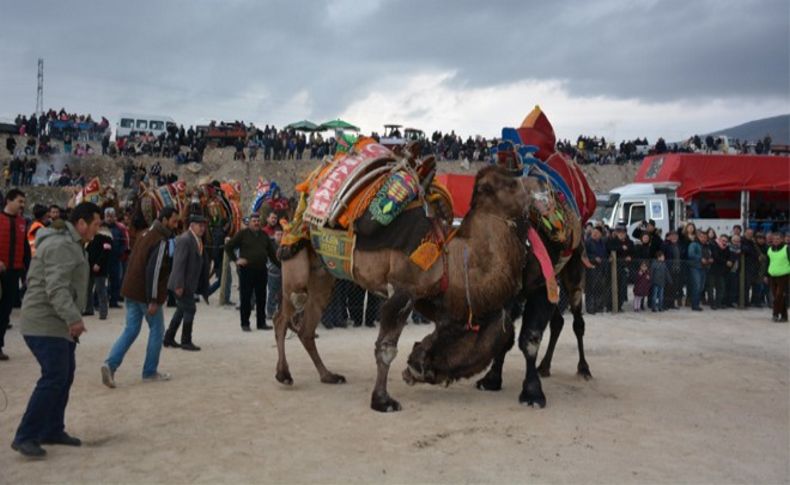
(59, 124)
(691, 267)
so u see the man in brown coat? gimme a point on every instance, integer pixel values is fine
(145, 290)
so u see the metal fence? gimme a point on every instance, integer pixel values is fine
(619, 285)
(614, 286)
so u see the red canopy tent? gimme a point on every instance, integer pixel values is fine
(706, 173)
(460, 187)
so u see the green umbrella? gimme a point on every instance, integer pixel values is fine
(303, 125)
(338, 125)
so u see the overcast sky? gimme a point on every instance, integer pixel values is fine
(606, 67)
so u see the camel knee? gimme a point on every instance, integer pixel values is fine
(531, 344)
(298, 300)
(386, 353)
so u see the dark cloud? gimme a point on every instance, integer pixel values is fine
(250, 59)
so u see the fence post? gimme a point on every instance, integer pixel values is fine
(615, 292)
(741, 282)
(223, 281)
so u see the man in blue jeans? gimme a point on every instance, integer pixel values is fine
(145, 290)
(57, 287)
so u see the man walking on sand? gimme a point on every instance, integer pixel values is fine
(57, 287)
(188, 277)
(255, 250)
(145, 290)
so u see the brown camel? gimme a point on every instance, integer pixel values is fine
(482, 264)
(444, 355)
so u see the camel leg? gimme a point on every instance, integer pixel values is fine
(281, 318)
(573, 280)
(537, 312)
(583, 369)
(296, 274)
(394, 314)
(557, 322)
(492, 381)
(319, 292)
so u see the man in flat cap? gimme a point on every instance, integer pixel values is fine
(188, 277)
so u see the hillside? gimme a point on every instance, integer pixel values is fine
(777, 126)
(219, 164)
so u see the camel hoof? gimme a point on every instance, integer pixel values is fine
(544, 371)
(385, 405)
(533, 396)
(284, 378)
(333, 379)
(489, 384)
(584, 372)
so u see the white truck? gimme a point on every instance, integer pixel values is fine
(136, 123)
(712, 191)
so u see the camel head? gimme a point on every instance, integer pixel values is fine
(454, 352)
(498, 191)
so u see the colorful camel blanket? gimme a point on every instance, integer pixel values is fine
(343, 172)
(336, 249)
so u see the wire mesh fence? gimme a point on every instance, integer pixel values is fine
(615, 285)
(633, 284)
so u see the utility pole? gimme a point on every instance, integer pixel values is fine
(40, 96)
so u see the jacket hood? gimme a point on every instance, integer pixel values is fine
(57, 228)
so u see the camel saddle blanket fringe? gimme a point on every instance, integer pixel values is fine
(334, 190)
(336, 249)
(546, 267)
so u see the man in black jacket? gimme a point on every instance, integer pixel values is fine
(720, 254)
(188, 277)
(624, 249)
(98, 253)
(256, 249)
(671, 250)
(649, 228)
(10, 144)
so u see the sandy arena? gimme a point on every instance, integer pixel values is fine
(678, 397)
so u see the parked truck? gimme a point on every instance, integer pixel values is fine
(716, 191)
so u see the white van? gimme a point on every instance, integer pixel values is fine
(136, 123)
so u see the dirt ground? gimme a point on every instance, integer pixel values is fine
(677, 397)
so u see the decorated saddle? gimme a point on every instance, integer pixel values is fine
(370, 191)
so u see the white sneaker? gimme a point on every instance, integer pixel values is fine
(159, 376)
(107, 376)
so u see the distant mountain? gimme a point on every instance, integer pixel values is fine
(777, 126)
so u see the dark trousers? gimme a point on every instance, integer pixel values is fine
(733, 291)
(336, 312)
(44, 416)
(9, 280)
(185, 311)
(779, 292)
(114, 281)
(251, 281)
(716, 284)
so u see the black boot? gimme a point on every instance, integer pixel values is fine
(186, 338)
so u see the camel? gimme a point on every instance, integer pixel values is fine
(441, 357)
(481, 268)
